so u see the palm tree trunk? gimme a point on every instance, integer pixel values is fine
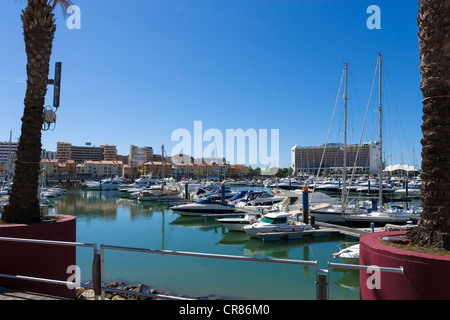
(39, 29)
(434, 23)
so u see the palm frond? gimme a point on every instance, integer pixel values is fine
(63, 3)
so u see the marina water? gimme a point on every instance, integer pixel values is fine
(106, 218)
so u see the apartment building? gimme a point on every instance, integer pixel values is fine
(157, 169)
(109, 153)
(138, 156)
(67, 151)
(7, 151)
(99, 169)
(50, 167)
(63, 151)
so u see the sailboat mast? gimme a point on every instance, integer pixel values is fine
(162, 163)
(380, 164)
(344, 165)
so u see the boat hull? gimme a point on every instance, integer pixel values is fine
(159, 198)
(366, 222)
(187, 210)
(328, 217)
(235, 224)
(257, 232)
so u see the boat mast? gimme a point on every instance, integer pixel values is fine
(380, 164)
(162, 163)
(344, 165)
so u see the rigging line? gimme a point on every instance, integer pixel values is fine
(396, 113)
(329, 130)
(362, 131)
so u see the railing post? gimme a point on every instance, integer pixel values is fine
(322, 287)
(102, 271)
(96, 273)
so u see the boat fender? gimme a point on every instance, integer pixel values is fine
(252, 221)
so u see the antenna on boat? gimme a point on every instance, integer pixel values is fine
(380, 165)
(344, 165)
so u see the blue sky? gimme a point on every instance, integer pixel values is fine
(139, 69)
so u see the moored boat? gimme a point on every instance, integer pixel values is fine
(204, 207)
(275, 222)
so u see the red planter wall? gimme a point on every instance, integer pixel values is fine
(39, 260)
(425, 276)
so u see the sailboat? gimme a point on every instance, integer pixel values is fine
(335, 213)
(382, 215)
(161, 193)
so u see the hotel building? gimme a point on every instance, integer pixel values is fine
(308, 159)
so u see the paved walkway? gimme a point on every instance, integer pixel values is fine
(10, 294)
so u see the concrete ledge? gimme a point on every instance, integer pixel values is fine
(426, 276)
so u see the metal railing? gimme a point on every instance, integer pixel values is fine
(193, 254)
(48, 242)
(98, 268)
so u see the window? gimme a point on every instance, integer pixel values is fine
(274, 220)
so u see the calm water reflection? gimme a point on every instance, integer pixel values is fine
(106, 218)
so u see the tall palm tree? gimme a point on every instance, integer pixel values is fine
(434, 23)
(39, 30)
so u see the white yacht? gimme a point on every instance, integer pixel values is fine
(258, 198)
(411, 192)
(275, 222)
(349, 253)
(160, 193)
(203, 207)
(142, 182)
(105, 184)
(393, 214)
(238, 223)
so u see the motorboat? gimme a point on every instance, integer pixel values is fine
(202, 191)
(330, 186)
(275, 222)
(203, 207)
(287, 185)
(335, 213)
(258, 198)
(238, 223)
(105, 184)
(237, 196)
(142, 182)
(411, 192)
(322, 207)
(348, 253)
(160, 193)
(217, 194)
(390, 214)
(51, 192)
(370, 189)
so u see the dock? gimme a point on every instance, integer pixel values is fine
(290, 235)
(347, 231)
(321, 229)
